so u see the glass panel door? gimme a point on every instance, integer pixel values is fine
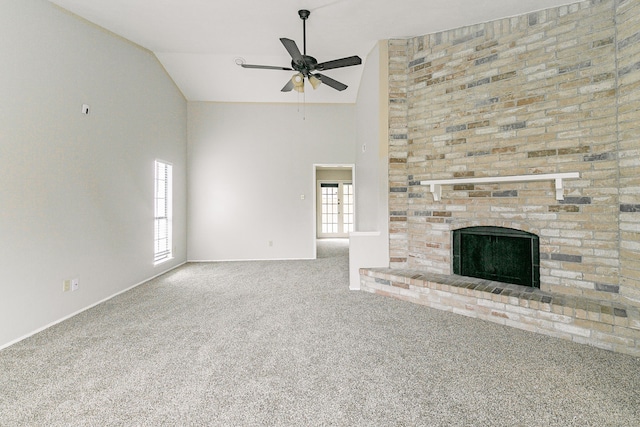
(330, 208)
(347, 207)
(335, 209)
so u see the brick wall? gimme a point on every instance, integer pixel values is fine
(552, 91)
(628, 45)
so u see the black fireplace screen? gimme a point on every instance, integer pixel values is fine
(497, 253)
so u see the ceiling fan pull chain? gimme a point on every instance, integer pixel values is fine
(304, 105)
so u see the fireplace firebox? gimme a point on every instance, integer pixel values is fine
(497, 253)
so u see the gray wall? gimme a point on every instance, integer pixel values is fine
(76, 191)
(369, 245)
(249, 164)
(372, 144)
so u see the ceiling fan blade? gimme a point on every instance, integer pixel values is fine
(331, 82)
(339, 63)
(293, 50)
(288, 87)
(266, 67)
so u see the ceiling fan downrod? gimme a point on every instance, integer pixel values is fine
(304, 14)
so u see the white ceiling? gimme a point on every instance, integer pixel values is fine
(198, 41)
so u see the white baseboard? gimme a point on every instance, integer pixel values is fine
(248, 260)
(10, 343)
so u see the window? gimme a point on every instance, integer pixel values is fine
(162, 233)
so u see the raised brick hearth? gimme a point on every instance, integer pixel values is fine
(609, 325)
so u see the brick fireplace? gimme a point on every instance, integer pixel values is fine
(553, 92)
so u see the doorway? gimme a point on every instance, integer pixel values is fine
(335, 202)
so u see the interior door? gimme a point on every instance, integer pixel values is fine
(335, 209)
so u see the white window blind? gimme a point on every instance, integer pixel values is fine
(162, 234)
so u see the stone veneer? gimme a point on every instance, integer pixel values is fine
(552, 91)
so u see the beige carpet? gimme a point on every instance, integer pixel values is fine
(285, 343)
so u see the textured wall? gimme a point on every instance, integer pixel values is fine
(539, 93)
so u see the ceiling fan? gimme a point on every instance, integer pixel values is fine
(307, 66)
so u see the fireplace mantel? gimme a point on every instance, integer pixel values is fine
(436, 185)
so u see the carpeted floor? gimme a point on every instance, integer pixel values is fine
(285, 343)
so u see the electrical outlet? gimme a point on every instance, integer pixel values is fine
(270, 242)
(66, 285)
(75, 284)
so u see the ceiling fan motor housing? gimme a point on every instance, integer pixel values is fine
(305, 66)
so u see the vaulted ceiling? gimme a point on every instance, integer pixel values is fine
(200, 41)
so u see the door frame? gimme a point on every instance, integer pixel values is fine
(321, 166)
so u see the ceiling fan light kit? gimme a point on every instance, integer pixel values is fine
(298, 82)
(307, 65)
(315, 82)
